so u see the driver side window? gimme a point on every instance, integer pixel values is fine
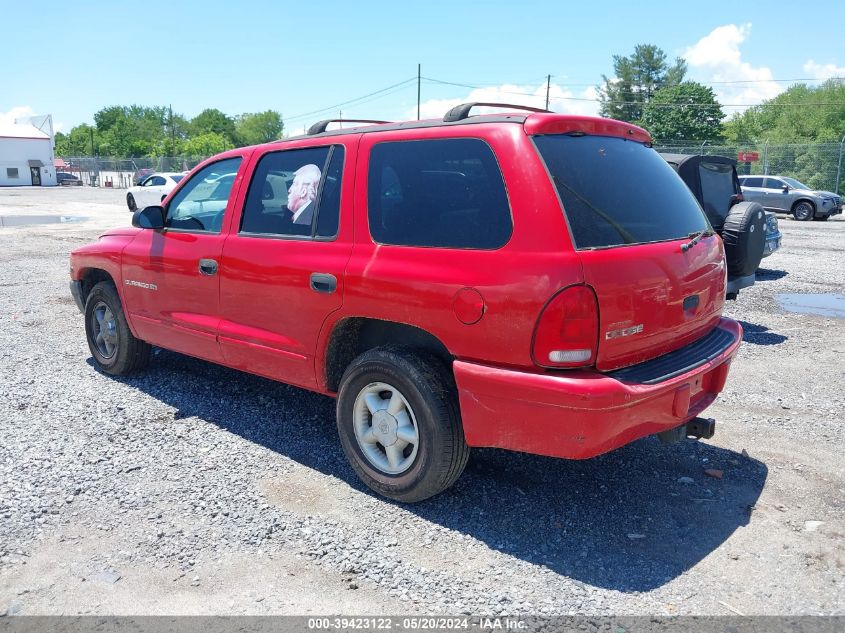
(201, 203)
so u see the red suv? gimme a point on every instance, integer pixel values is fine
(536, 282)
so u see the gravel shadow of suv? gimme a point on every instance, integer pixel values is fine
(749, 232)
(504, 280)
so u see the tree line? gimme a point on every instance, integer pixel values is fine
(649, 90)
(136, 131)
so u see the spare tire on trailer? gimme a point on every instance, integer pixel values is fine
(744, 235)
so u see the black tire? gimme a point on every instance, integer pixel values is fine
(130, 202)
(126, 354)
(803, 210)
(428, 388)
(744, 235)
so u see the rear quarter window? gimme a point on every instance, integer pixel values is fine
(446, 193)
(618, 192)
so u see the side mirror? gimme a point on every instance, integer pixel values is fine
(149, 218)
(786, 188)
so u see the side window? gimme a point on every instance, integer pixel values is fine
(752, 182)
(284, 195)
(156, 181)
(445, 193)
(774, 183)
(201, 203)
(328, 213)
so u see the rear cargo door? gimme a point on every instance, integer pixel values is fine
(644, 244)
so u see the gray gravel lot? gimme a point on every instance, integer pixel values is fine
(197, 489)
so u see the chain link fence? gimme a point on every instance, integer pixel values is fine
(817, 165)
(122, 173)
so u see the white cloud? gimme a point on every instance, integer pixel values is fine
(561, 99)
(18, 112)
(717, 57)
(823, 71)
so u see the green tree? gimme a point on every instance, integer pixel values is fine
(130, 130)
(77, 142)
(259, 127)
(206, 144)
(801, 114)
(176, 132)
(636, 79)
(213, 121)
(687, 111)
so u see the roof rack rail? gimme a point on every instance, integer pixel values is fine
(320, 126)
(461, 112)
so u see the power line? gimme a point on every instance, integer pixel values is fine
(637, 103)
(338, 105)
(479, 84)
(397, 87)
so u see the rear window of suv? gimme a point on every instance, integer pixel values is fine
(617, 192)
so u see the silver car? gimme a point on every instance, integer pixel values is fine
(782, 194)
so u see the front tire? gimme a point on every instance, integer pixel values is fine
(130, 202)
(399, 423)
(803, 211)
(113, 346)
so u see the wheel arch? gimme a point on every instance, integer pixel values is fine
(350, 337)
(800, 200)
(91, 276)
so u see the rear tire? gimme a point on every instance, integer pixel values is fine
(115, 349)
(803, 211)
(130, 202)
(399, 423)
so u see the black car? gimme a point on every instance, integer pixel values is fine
(748, 231)
(65, 178)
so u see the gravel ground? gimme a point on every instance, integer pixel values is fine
(197, 489)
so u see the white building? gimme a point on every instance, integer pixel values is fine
(26, 153)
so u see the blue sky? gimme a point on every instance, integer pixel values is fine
(71, 59)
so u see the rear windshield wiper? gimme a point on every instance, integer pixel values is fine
(623, 232)
(695, 238)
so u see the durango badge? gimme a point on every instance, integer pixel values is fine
(628, 331)
(141, 284)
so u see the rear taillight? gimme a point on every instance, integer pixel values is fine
(568, 329)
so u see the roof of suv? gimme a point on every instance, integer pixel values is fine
(537, 122)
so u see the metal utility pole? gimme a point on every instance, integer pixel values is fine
(839, 167)
(548, 85)
(419, 78)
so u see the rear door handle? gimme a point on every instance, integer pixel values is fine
(323, 282)
(208, 267)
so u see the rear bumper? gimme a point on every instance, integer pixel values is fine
(581, 414)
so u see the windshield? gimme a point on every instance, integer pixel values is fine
(616, 192)
(794, 183)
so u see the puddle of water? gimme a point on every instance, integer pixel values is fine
(829, 304)
(27, 220)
